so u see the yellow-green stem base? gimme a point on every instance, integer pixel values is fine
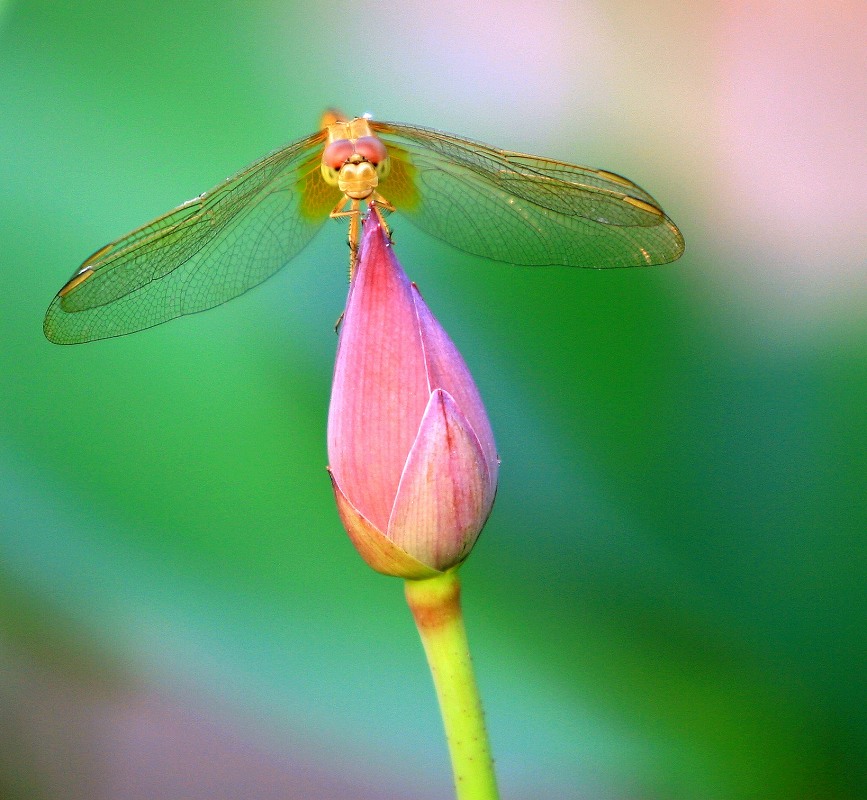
(436, 606)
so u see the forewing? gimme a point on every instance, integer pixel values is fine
(523, 209)
(201, 254)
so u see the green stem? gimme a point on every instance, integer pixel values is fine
(436, 606)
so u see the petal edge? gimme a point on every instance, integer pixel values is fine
(445, 494)
(375, 547)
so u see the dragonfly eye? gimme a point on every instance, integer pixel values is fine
(337, 153)
(371, 148)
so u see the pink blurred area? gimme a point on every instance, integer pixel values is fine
(93, 736)
(790, 153)
(754, 114)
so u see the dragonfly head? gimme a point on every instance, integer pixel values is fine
(355, 165)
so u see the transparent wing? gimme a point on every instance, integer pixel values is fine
(522, 209)
(205, 252)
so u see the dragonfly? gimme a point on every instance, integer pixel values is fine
(498, 204)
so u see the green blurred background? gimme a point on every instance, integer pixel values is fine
(668, 601)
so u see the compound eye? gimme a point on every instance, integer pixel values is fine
(371, 148)
(337, 153)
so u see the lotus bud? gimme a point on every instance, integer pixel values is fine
(412, 457)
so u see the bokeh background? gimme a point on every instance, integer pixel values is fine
(668, 601)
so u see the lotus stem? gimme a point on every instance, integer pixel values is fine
(436, 606)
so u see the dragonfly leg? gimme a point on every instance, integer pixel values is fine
(338, 211)
(378, 202)
(354, 214)
(382, 201)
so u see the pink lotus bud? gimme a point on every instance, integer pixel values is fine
(413, 461)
